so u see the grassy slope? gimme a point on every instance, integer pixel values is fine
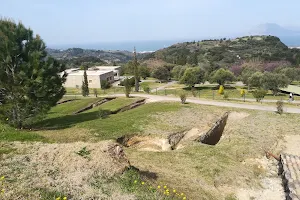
(129, 122)
(8, 133)
(115, 104)
(195, 170)
(71, 107)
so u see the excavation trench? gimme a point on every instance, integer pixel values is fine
(65, 101)
(176, 140)
(123, 109)
(92, 105)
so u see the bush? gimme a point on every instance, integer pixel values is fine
(259, 94)
(243, 92)
(226, 95)
(221, 89)
(279, 106)
(146, 89)
(194, 93)
(130, 81)
(103, 113)
(182, 97)
(95, 92)
(128, 86)
(105, 84)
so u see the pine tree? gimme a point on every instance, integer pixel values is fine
(85, 85)
(30, 81)
(136, 71)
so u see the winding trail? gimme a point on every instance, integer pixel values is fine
(156, 98)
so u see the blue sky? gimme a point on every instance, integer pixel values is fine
(89, 21)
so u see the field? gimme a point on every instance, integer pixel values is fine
(69, 155)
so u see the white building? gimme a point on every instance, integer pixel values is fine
(75, 78)
(115, 69)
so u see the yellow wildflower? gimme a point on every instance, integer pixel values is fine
(58, 198)
(174, 190)
(65, 198)
(2, 178)
(135, 181)
(2, 191)
(181, 194)
(184, 198)
(158, 187)
(165, 186)
(143, 183)
(6, 119)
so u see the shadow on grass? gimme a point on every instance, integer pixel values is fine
(66, 121)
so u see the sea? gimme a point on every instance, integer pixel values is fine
(141, 46)
(150, 46)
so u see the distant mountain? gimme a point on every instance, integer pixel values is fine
(273, 29)
(289, 36)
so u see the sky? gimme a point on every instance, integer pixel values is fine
(81, 22)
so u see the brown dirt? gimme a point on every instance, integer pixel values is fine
(57, 167)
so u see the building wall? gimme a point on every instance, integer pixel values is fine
(109, 76)
(75, 81)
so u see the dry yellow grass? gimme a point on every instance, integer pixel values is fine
(58, 168)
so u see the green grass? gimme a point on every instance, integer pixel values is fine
(71, 107)
(112, 90)
(8, 133)
(152, 85)
(125, 123)
(115, 104)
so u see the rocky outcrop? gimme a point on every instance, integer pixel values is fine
(213, 136)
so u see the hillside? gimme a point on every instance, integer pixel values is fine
(225, 52)
(76, 56)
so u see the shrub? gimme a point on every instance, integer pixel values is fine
(105, 84)
(226, 95)
(146, 89)
(259, 94)
(279, 106)
(103, 113)
(243, 92)
(95, 92)
(182, 97)
(221, 89)
(194, 93)
(130, 81)
(128, 86)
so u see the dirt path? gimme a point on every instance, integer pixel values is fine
(155, 98)
(264, 100)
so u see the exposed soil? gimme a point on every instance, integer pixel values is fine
(271, 184)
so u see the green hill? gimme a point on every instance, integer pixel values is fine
(226, 52)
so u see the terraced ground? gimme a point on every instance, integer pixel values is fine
(81, 158)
